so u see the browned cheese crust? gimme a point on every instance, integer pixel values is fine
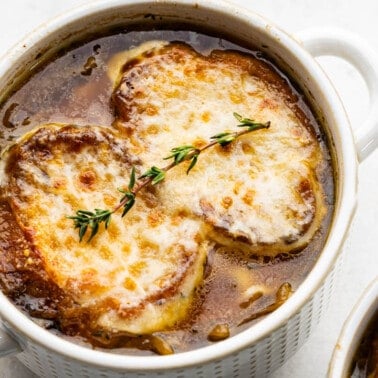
(260, 193)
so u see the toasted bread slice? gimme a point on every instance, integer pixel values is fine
(140, 274)
(260, 193)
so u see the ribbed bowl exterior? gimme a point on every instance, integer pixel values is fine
(258, 360)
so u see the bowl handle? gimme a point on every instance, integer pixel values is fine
(8, 345)
(355, 50)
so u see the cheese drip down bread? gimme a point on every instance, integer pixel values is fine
(259, 193)
(139, 276)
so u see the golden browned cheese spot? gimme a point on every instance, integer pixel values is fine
(153, 129)
(70, 241)
(105, 252)
(155, 217)
(248, 197)
(178, 217)
(206, 116)
(59, 183)
(226, 202)
(110, 200)
(152, 110)
(87, 179)
(126, 249)
(137, 268)
(199, 143)
(236, 98)
(114, 231)
(237, 187)
(148, 249)
(129, 284)
(247, 148)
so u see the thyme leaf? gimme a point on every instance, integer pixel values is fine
(182, 153)
(127, 201)
(193, 162)
(85, 219)
(156, 174)
(132, 179)
(224, 138)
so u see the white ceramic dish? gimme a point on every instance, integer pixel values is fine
(266, 345)
(352, 332)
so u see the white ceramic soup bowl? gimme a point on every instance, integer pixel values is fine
(267, 344)
(352, 332)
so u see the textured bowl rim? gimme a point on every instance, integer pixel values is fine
(353, 330)
(25, 327)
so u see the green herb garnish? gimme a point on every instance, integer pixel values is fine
(84, 219)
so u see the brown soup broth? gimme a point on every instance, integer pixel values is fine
(74, 88)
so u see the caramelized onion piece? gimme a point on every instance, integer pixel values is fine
(219, 332)
(251, 299)
(89, 66)
(160, 346)
(283, 293)
(157, 344)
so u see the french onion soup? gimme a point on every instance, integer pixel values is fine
(160, 191)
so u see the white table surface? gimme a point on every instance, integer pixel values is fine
(18, 17)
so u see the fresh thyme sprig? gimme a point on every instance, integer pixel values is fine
(84, 219)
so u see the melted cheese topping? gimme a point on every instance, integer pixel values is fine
(139, 275)
(260, 191)
(259, 194)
